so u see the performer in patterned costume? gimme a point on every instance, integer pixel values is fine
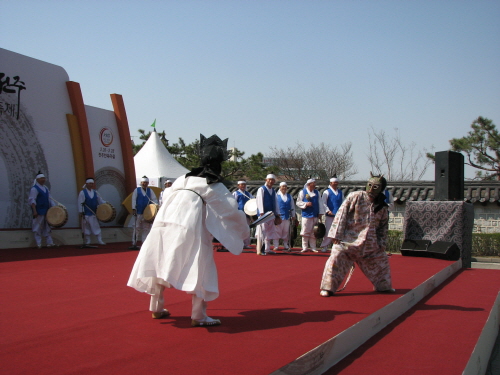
(359, 234)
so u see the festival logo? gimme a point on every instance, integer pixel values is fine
(106, 137)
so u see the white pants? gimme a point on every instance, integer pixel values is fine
(198, 311)
(328, 224)
(307, 232)
(282, 231)
(91, 225)
(141, 229)
(40, 229)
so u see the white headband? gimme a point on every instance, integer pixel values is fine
(310, 180)
(283, 183)
(89, 181)
(40, 175)
(270, 175)
(242, 182)
(334, 179)
(144, 179)
(168, 181)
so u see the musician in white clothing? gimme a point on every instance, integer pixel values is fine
(141, 198)
(88, 200)
(242, 196)
(308, 201)
(332, 199)
(165, 191)
(267, 200)
(287, 211)
(40, 201)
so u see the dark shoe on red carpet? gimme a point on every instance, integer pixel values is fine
(210, 323)
(161, 315)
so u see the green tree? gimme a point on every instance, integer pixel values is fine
(482, 148)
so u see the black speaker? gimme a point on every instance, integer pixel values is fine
(424, 248)
(449, 176)
(414, 247)
(444, 250)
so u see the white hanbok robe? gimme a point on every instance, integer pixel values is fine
(178, 253)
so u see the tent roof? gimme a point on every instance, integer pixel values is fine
(154, 160)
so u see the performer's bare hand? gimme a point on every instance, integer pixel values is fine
(35, 215)
(134, 212)
(309, 204)
(336, 241)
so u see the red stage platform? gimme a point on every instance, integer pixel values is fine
(69, 310)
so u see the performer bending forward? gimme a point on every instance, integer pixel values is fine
(178, 252)
(359, 234)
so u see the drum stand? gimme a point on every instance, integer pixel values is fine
(134, 246)
(84, 245)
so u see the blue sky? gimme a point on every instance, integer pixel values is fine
(273, 73)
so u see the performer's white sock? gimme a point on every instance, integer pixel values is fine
(157, 302)
(304, 243)
(87, 239)
(268, 245)
(312, 243)
(199, 310)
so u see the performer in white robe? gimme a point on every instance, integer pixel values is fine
(40, 201)
(141, 198)
(287, 211)
(267, 200)
(331, 199)
(242, 196)
(178, 253)
(88, 200)
(308, 201)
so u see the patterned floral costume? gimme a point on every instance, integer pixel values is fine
(363, 233)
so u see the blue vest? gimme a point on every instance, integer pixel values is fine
(269, 200)
(90, 203)
(285, 207)
(386, 192)
(142, 200)
(42, 201)
(241, 199)
(334, 201)
(312, 211)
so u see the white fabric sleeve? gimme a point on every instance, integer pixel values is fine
(300, 203)
(81, 199)
(134, 198)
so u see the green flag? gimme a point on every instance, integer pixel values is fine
(154, 124)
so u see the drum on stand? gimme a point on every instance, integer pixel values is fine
(105, 212)
(57, 216)
(150, 212)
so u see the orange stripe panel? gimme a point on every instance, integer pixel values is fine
(76, 145)
(125, 141)
(78, 107)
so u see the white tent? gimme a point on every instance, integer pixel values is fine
(154, 161)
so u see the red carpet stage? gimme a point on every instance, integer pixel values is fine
(69, 311)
